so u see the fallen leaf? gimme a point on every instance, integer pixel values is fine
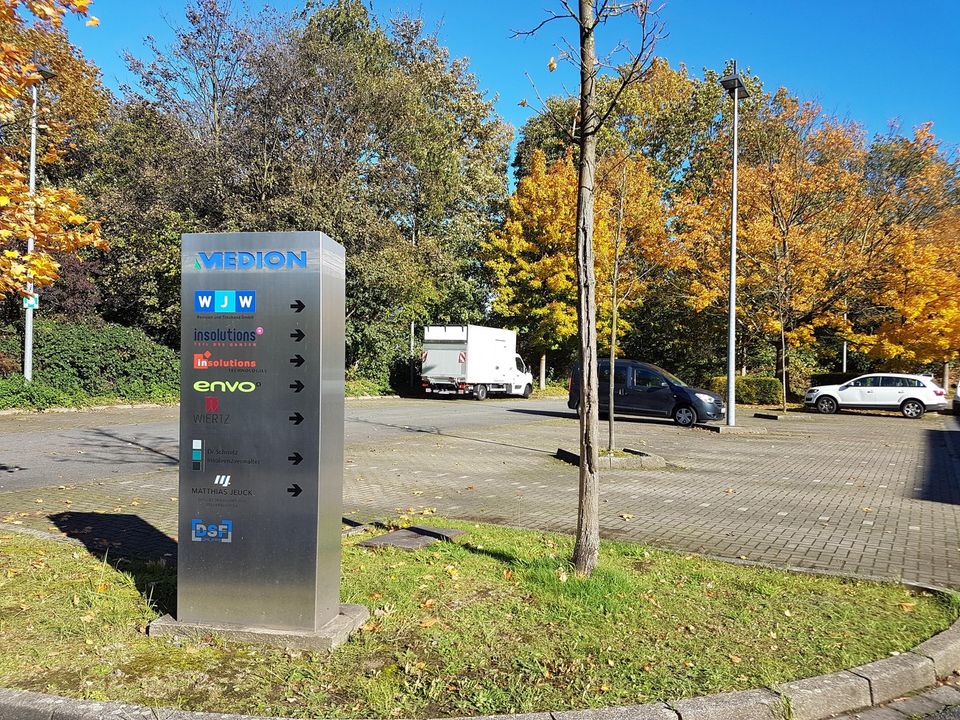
(626, 516)
(428, 622)
(428, 603)
(907, 607)
(735, 659)
(102, 587)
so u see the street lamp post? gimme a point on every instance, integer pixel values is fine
(734, 86)
(28, 320)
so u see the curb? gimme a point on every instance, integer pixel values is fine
(814, 698)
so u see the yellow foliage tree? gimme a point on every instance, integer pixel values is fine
(51, 216)
(913, 304)
(804, 235)
(533, 257)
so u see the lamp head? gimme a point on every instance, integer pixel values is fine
(734, 86)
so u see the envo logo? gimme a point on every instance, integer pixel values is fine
(225, 386)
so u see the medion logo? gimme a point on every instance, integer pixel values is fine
(224, 386)
(259, 260)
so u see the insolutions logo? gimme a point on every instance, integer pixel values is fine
(220, 302)
(259, 260)
(227, 336)
(206, 361)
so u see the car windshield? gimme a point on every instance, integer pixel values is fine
(671, 378)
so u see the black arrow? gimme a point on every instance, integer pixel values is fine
(297, 386)
(298, 306)
(298, 335)
(297, 360)
(296, 418)
(295, 490)
(296, 458)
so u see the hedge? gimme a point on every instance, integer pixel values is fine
(76, 362)
(751, 389)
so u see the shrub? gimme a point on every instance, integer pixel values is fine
(15, 392)
(77, 361)
(751, 389)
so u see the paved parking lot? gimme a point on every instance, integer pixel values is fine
(873, 495)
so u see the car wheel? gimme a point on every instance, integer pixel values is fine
(527, 391)
(912, 409)
(480, 392)
(685, 416)
(826, 405)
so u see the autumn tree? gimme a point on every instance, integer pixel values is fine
(50, 215)
(908, 313)
(800, 225)
(532, 258)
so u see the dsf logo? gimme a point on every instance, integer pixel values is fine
(259, 260)
(201, 531)
(205, 386)
(225, 301)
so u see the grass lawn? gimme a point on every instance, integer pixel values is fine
(494, 624)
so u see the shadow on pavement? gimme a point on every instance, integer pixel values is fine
(433, 430)
(572, 415)
(131, 545)
(102, 446)
(941, 473)
(10, 468)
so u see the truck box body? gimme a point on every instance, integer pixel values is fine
(458, 358)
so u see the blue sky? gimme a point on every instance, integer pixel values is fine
(873, 61)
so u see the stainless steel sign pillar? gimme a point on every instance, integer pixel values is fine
(261, 433)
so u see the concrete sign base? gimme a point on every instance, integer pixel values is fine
(327, 637)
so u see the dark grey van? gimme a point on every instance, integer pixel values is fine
(644, 389)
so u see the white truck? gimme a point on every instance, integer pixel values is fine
(472, 360)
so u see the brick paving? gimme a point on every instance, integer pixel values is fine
(872, 495)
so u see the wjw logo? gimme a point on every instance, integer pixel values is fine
(225, 386)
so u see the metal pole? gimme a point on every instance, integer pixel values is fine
(844, 347)
(28, 322)
(732, 309)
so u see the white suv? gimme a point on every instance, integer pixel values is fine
(912, 395)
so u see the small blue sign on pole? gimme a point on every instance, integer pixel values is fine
(31, 302)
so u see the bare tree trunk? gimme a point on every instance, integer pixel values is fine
(586, 551)
(543, 371)
(783, 364)
(614, 307)
(611, 407)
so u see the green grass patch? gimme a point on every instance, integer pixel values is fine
(497, 623)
